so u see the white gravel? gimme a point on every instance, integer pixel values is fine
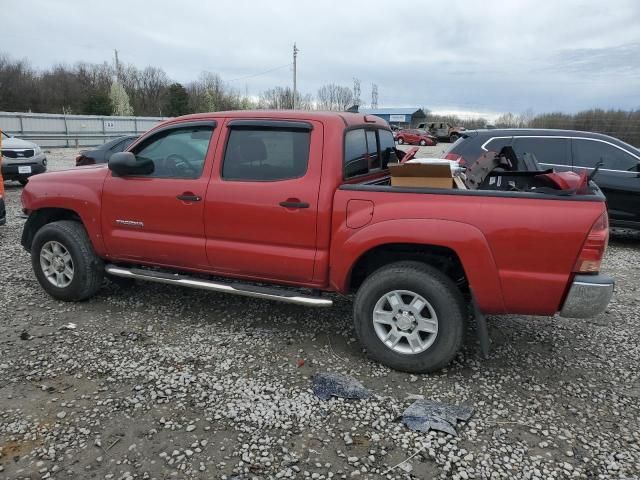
(156, 382)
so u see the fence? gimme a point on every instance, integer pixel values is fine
(52, 130)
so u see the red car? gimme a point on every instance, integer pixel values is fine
(415, 136)
(290, 206)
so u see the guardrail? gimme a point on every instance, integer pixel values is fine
(74, 140)
(54, 130)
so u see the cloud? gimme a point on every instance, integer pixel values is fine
(485, 56)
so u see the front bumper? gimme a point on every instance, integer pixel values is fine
(11, 170)
(588, 296)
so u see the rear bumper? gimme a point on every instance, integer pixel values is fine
(588, 296)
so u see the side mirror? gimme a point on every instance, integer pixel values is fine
(125, 163)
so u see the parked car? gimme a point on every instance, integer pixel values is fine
(301, 203)
(413, 136)
(618, 176)
(102, 153)
(442, 130)
(21, 159)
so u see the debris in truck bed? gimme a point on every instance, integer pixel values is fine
(327, 385)
(424, 415)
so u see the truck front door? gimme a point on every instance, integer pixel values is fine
(262, 205)
(158, 218)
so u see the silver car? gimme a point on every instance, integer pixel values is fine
(21, 159)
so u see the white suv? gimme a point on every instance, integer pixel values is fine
(21, 159)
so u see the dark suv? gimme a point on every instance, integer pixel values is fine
(618, 176)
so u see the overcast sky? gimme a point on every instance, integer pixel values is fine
(468, 56)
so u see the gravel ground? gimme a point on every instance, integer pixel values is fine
(156, 382)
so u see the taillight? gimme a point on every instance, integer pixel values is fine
(594, 246)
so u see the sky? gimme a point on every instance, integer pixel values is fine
(459, 56)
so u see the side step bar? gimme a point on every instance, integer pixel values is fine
(236, 288)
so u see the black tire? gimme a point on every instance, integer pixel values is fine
(23, 181)
(400, 140)
(88, 268)
(423, 143)
(453, 138)
(435, 287)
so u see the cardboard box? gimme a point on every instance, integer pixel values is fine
(430, 175)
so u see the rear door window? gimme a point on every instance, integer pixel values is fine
(547, 150)
(587, 154)
(266, 154)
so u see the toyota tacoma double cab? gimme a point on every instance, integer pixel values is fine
(294, 206)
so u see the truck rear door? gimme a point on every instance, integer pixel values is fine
(262, 204)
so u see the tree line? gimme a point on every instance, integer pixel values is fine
(622, 124)
(105, 89)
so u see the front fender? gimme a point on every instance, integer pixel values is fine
(467, 241)
(54, 191)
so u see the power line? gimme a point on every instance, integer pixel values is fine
(260, 73)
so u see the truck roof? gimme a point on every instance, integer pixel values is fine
(346, 119)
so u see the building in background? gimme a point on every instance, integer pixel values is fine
(399, 117)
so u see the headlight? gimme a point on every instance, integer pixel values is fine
(37, 150)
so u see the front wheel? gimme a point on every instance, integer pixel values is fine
(423, 143)
(453, 138)
(410, 317)
(64, 262)
(400, 140)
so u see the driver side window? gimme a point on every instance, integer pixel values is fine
(176, 153)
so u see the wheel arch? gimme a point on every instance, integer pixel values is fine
(456, 248)
(39, 218)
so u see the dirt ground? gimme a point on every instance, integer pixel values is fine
(157, 382)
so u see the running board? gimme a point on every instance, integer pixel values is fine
(236, 288)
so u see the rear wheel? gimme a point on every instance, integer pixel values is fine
(453, 137)
(410, 317)
(400, 140)
(64, 262)
(23, 181)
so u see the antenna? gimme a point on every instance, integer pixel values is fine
(374, 95)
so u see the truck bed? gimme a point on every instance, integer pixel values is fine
(518, 248)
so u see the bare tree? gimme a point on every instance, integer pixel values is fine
(334, 97)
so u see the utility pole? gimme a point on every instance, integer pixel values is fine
(295, 90)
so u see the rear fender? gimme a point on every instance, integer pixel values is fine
(467, 241)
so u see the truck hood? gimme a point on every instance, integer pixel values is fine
(17, 143)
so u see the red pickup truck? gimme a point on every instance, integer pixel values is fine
(291, 205)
